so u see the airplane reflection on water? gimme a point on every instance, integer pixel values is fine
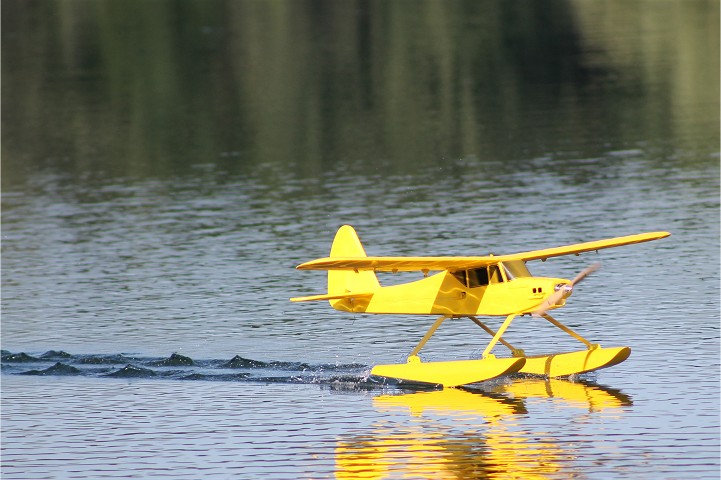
(469, 433)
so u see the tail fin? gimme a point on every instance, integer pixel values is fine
(347, 244)
(348, 290)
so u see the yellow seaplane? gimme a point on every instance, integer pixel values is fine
(494, 285)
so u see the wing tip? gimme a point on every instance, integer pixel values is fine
(649, 236)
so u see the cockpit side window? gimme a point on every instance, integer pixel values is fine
(460, 276)
(495, 274)
(477, 277)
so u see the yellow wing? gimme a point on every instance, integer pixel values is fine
(587, 246)
(394, 264)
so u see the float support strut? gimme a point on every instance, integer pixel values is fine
(517, 352)
(427, 336)
(555, 322)
(498, 335)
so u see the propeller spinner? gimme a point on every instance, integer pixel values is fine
(564, 290)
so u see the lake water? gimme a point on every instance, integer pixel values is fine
(166, 165)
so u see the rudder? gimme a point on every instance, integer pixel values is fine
(347, 244)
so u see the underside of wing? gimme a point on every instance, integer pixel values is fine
(397, 264)
(401, 264)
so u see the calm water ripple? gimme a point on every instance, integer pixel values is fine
(161, 180)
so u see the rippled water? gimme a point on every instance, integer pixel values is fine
(146, 327)
(135, 280)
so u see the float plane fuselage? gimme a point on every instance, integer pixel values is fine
(464, 287)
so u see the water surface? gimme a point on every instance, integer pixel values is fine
(162, 178)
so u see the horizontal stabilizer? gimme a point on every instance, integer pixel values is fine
(312, 298)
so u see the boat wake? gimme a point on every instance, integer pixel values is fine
(180, 367)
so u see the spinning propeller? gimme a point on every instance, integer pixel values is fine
(564, 290)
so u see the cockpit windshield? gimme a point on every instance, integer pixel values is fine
(516, 269)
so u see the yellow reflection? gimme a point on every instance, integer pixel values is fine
(456, 433)
(451, 401)
(473, 443)
(585, 395)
